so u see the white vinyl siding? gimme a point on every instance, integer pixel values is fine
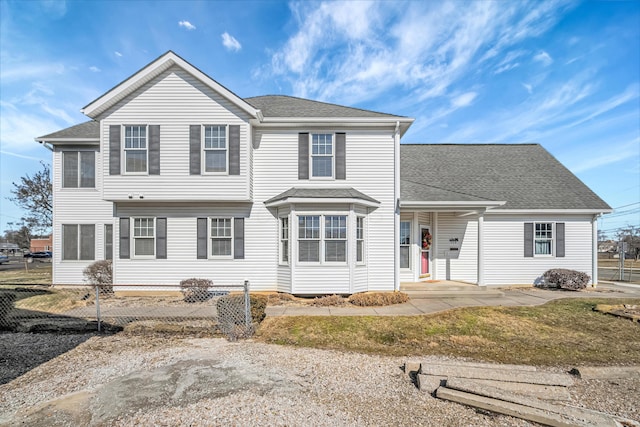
(135, 149)
(456, 259)
(78, 169)
(215, 155)
(143, 236)
(175, 100)
(504, 259)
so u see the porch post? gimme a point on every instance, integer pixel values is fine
(594, 250)
(480, 249)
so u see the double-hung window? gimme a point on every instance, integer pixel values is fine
(108, 241)
(135, 149)
(543, 238)
(215, 149)
(309, 238)
(78, 242)
(335, 234)
(322, 155)
(144, 237)
(78, 169)
(360, 239)
(405, 244)
(284, 240)
(220, 236)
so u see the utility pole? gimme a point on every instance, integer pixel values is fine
(622, 248)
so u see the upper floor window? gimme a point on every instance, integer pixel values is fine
(78, 169)
(543, 239)
(215, 152)
(322, 155)
(135, 149)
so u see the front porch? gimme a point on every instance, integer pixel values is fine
(447, 289)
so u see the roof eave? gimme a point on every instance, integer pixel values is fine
(155, 68)
(452, 205)
(68, 141)
(405, 122)
(601, 211)
(320, 200)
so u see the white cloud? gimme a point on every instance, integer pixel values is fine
(30, 71)
(528, 87)
(464, 100)
(544, 58)
(186, 24)
(118, 54)
(230, 42)
(21, 156)
(608, 155)
(94, 69)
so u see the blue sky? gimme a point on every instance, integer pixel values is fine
(562, 74)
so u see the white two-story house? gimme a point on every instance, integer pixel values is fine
(175, 177)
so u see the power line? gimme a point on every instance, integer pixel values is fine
(631, 204)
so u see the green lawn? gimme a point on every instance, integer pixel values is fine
(562, 332)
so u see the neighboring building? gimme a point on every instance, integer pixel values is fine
(38, 245)
(178, 177)
(9, 248)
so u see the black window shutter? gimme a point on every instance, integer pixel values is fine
(194, 149)
(114, 149)
(303, 156)
(161, 238)
(124, 238)
(154, 149)
(202, 238)
(341, 164)
(234, 150)
(560, 239)
(528, 239)
(238, 238)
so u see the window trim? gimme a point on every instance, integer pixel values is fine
(125, 149)
(210, 237)
(322, 239)
(133, 254)
(333, 157)
(361, 228)
(551, 240)
(203, 150)
(282, 239)
(408, 245)
(78, 179)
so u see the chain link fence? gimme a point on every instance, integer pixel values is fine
(212, 309)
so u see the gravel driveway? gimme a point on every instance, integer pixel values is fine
(125, 380)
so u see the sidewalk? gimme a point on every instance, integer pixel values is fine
(415, 306)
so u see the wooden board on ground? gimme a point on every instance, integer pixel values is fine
(545, 378)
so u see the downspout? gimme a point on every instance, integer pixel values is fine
(396, 200)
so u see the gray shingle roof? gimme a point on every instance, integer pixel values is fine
(526, 176)
(322, 193)
(289, 106)
(86, 130)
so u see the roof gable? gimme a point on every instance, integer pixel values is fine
(526, 176)
(154, 69)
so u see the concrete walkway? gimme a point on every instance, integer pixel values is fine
(417, 306)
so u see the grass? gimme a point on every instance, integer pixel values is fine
(40, 275)
(562, 332)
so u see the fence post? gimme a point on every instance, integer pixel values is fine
(247, 305)
(98, 305)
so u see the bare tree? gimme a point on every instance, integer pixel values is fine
(21, 237)
(631, 236)
(34, 195)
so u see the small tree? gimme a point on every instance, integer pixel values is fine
(34, 195)
(631, 236)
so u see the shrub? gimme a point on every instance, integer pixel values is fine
(329, 301)
(231, 315)
(373, 299)
(100, 274)
(195, 290)
(566, 279)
